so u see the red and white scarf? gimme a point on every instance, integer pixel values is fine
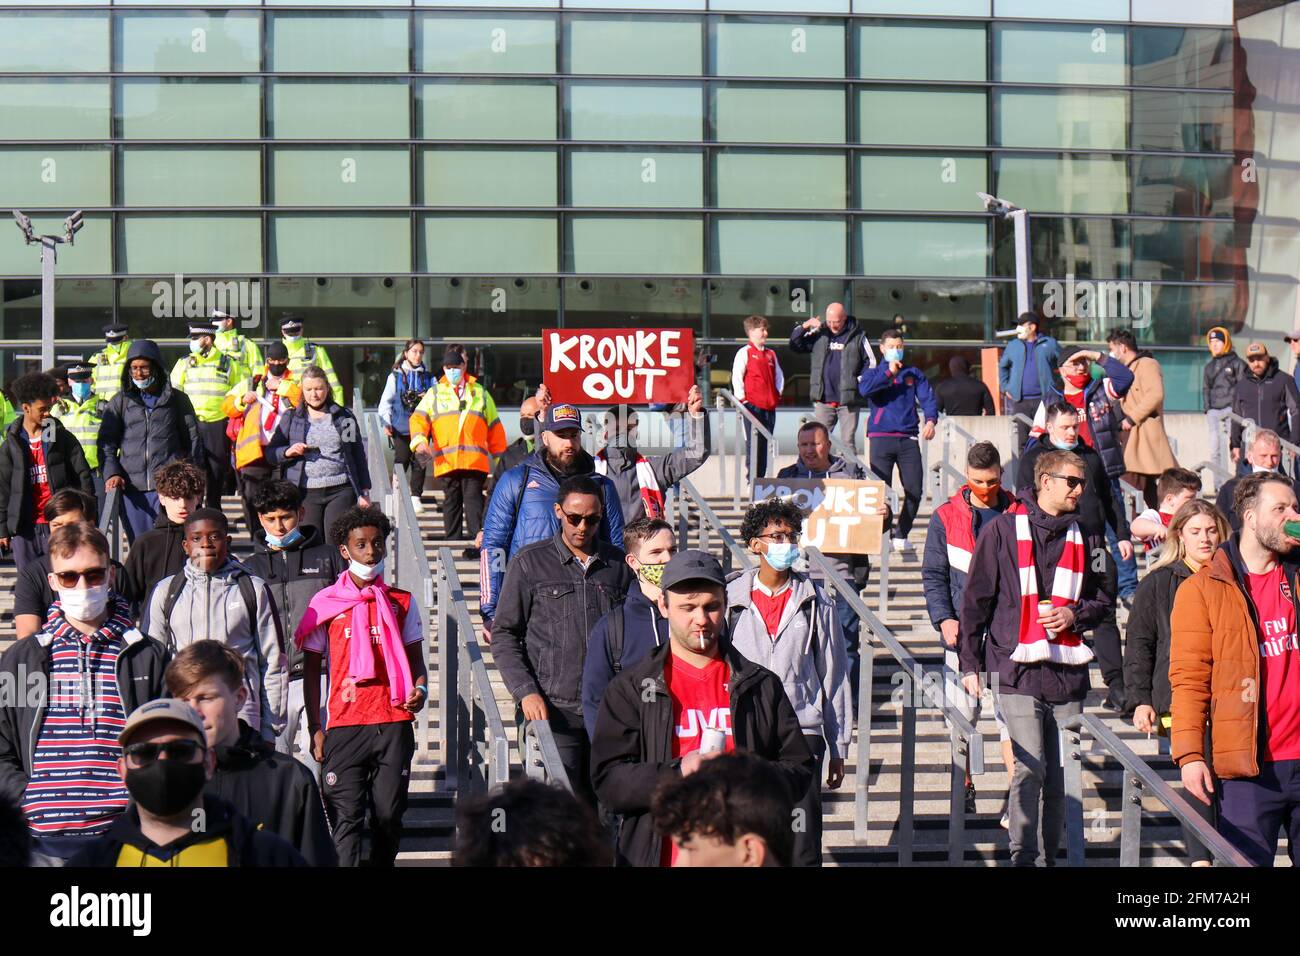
(651, 496)
(1036, 643)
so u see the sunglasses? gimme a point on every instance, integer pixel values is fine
(182, 751)
(1071, 481)
(68, 579)
(589, 521)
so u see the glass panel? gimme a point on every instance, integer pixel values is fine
(156, 307)
(923, 247)
(485, 244)
(922, 117)
(340, 244)
(54, 42)
(1036, 53)
(1183, 185)
(211, 176)
(916, 8)
(1166, 56)
(1061, 118)
(189, 42)
(635, 112)
(922, 181)
(455, 109)
(783, 6)
(624, 303)
(933, 309)
(1074, 10)
(92, 254)
(1169, 314)
(766, 114)
(780, 180)
(340, 109)
(778, 48)
(635, 178)
(495, 44)
(1185, 11)
(891, 50)
(489, 177)
(36, 177)
(1085, 248)
(1183, 373)
(641, 245)
(784, 302)
(55, 109)
(196, 245)
(345, 309)
(189, 109)
(1086, 184)
(1195, 122)
(341, 176)
(632, 45)
(749, 246)
(1187, 251)
(457, 307)
(338, 43)
(82, 306)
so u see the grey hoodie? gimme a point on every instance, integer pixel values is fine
(211, 606)
(811, 663)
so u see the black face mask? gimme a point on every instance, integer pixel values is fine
(166, 787)
(528, 427)
(277, 370)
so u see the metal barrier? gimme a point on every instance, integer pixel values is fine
(1139, 778)
(1290, 452)
(541, 757)
(110, 523)
(773, 449)
(381, 473)
(734, 554)
(411, 572)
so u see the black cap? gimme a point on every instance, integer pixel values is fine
(452, 358)
(114, 331)
(291, 323)
(277, 352)
(200, 327)
(692, 565)
(79, 371)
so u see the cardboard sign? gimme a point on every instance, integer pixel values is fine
(844, 516)
(616, 366)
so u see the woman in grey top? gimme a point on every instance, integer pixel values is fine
(319, 444)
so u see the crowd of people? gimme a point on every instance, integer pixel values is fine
(697, 714)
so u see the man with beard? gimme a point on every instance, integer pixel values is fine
(522, 509)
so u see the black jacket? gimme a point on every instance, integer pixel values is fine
(1146, 646)
(65, 467)
(1097, 505)
(632, 750)
(294, 575)
(1220, 378)
(139, 680)
(849, 343)
(548, 606)
(292, 429)
(156, 554)
(247, 844)
(275, 793)
(135, 440)
(964, 395)
(515, 453)
(1270, 401)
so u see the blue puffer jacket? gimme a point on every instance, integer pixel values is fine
(891, 399)
(522, 510)
(1011, 367)
(1102, 396)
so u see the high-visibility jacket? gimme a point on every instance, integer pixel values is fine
(7, 413)
(241, 350)
(106, 374)
(205, 379)
(463, 430)
(249, 441)
(82, 420)
(303, 353)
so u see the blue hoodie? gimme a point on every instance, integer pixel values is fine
(892, 399)
(644, 629)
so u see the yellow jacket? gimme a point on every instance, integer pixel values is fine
(463, 430)
(205, 379)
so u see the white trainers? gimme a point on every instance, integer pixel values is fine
(416, 505)
(900, 544)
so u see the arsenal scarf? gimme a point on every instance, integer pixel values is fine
(1036, 643)
(651, 496)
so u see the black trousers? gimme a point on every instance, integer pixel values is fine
(1106, 643)
(758, 440)
(402, 455)
(323, 506)
(808, 811)
(886, 452)
(367, 766)
(574, 746)
(217, 466)
(463, 494)
(249, 481)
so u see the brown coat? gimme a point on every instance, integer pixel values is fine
(1214, 670)
(1147, 451)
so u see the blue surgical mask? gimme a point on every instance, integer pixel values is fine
(893, 355)
(144, 384)
(781, 556)
(80, 390)
(294, 535)
(1061, 446)
(454, 375)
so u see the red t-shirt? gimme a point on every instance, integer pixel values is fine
(771, 607)
(1079, 400)
(700, 700)
(1279, 664)
(39, 478)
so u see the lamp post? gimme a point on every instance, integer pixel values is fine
(49, 257)
(1020, 221)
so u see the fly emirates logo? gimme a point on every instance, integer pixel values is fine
(1277, 640)
(695, 721)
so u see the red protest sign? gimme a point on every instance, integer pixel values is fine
(615, 366)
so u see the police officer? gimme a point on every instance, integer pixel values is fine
(304, 352)
(241, 349)
(205, 376)
(108, 362)
(81, 411)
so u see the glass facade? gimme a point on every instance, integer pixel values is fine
(481, 172)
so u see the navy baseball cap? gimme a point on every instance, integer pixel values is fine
(692, 565)
(562, 415)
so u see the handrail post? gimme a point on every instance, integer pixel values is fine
(1071, 754)
(957, 796)
(882, 575)
(1130, 827)
(862, 772)
(907, 770)
(448, 659)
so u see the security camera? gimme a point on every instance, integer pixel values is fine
(72, 225)
(24, 223)
(999, 207)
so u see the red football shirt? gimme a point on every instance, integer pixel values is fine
(1279, 664)
(1079, 401)
(700, 701)
(771, 607)
(39, 478)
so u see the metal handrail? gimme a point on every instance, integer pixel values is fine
(411, 572)
(541, 757)
(1013, 466)
(709, 520)
(725, 397)
(1220, 473)
(1250, 426)
(381, 475)
(1139, 777)
(110, 523)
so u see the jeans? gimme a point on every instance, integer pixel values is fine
(1128, 570)
(887, 451)
(966, 705)
(139, 511)
(1038, 782)
(846, 416)
(758, 441)
(574, 745)
(295, 730)
(1253, 810)
(1218, 446)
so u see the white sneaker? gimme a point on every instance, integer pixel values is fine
(900, 544)
(416, 505)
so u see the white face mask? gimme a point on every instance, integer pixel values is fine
(291, 338)
(84, 604)
(1022, 332)
(366, 572)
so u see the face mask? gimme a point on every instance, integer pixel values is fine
(454, 375)
(196, 346)
(366, 572)
(1060, 446)
(166, 787)
(292, 338)
(294, 535)
(84, 604)
(528, 427)
(781, 556)
(276, 371)
(1258, 468)
(1078, 381)
(652, 574)
(1022, 332)
(893, 355)
(986, 496)
(80, 390)
(144, 384)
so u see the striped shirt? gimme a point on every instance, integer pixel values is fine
(74, 788)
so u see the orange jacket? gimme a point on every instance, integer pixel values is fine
(248, 443)
(463, 431)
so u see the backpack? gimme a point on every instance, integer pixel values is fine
(242, 578)
(614, 638)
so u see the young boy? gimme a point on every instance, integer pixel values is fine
(214, 597)
(1176, 487)
(639, 628)
(781, 619)
(276, 793)
(376, 688)
(295, 562)
(158, 552)
(757, 382)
